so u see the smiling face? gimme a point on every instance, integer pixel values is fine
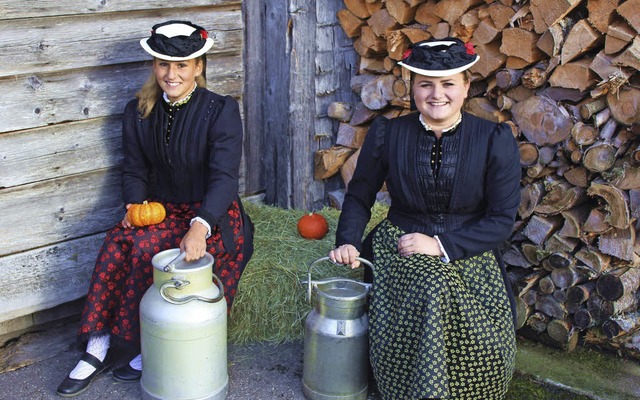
(440, 99)
(177, 78)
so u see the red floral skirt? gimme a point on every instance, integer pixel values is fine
(123, 270)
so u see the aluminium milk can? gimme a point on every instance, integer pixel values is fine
(336, 342)
(183, 323)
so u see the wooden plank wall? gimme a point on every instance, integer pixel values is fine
(66, 71)
(301, 61)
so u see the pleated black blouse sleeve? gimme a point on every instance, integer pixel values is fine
(225, 151)
(502, 194)
(367, 180)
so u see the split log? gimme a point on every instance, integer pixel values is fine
(491, 58)
(534, 253)
(558, 243)
(561, 198)
(548, 12)
(500, 14)
(374, 44)
(538, 321)
(584, 320)
(545, 286)
(621, 325)
(382, 23)
(340, 111)
(596, 222)
(528, 154)
(624, 176)
(327, 162)
(599, 157)
(573, 220)
(581, 39)
(563, 332)
(401, 11)
(358, 8)
(348, 168)
(540, 228)
(618, 243)
(484, 108)
(425, 13)
(513, 256)
(626, 346)
(542, 121)
(362, 115)
(578, 294)
(629, 11)
(567, 277)
(616, 201)
(625, 105)
(551, 307)
(521, 43)
(602, 13)
(451, 10)
(577, 176)
(595, 261)
(523, 311)
(619, 35)
(615, 284)
(486, 32)
(350, 23)
(574, 75)
(590, 108)
(351, 136)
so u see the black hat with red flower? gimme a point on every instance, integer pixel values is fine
(439, 57)
(177, 41)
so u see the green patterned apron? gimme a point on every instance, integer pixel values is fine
(438, 330)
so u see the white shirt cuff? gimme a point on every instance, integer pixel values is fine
(445, 257)
(205, 223)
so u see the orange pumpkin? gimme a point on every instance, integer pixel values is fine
(147, 213)
(312, 226)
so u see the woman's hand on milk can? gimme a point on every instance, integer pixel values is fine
(194, 243)
(345, 254)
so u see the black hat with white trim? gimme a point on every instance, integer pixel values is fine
(177, 41)
(439, 57)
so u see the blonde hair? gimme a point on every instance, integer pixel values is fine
(150, 92)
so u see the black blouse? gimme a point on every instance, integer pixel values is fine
(471, 204)
(198, 162)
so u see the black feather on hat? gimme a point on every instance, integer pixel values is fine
(439, 57)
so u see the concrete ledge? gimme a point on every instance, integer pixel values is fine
(597, 375)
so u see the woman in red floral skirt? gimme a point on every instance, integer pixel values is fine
(182, 147)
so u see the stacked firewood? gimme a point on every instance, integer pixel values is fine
(563, 75)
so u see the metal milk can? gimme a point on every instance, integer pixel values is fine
(336, 342)
(183, 322)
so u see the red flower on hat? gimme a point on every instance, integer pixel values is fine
(406, 54)
(203, 34)
(470, 49)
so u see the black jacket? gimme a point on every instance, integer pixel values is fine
(471, 206)
(199, 163)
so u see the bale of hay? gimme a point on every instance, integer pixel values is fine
(271, 304)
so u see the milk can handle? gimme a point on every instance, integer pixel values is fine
(179, 284)
(321, 259)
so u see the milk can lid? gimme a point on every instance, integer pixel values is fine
(170, 256)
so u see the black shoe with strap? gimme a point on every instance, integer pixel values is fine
(127, 374)
(72, 387)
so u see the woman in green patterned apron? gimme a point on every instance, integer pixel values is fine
(441, 314)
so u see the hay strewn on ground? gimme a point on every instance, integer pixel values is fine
(270, 304)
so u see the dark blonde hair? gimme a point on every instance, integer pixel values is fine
(150, 92)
